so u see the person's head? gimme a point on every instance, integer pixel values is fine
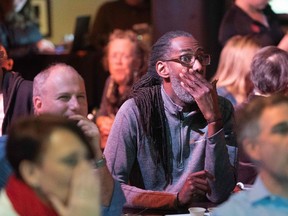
(262, 130)
(269, 71)
(125, 57)
(59, 90)
(44, 151)
(234, 64)
(5, 61)
(172, 53)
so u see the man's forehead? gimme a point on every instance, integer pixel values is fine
(185, 44)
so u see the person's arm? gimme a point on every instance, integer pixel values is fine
(221, 155)
(107, 183)
(218, 113)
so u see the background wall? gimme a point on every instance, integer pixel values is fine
(64, 13)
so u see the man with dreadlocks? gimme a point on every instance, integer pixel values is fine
(172, 143)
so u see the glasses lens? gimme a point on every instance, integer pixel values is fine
(186, 59)
(204, 59)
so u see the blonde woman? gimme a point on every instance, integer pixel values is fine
(233, 77)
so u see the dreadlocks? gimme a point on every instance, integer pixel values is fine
(147, 95)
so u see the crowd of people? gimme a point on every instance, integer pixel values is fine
(164, 136)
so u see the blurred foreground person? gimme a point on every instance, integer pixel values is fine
(53, 173)
(263, 132)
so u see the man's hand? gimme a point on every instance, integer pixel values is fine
(90, 129)
(196, 184)
(203, 92)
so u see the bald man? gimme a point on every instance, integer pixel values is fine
(60, 90)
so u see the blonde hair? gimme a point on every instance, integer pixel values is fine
(234, 64)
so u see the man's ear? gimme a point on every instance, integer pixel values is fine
(162, 69)
(37, 103)
(252, 149)
(30, 173)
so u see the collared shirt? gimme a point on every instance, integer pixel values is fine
(256, 201)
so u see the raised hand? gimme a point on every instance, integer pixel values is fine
(203, 92)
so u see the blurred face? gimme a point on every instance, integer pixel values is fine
(63, 153)
(121, 60)
(272, 151)
(63, 94)
(182, 46)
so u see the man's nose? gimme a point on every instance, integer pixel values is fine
(197, 66)
(74, 103)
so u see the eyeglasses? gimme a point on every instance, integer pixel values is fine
(188, 60)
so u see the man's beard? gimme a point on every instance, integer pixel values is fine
(182, 94)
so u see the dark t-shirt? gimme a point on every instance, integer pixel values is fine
(237, 22)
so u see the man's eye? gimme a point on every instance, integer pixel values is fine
(64, 98)
(281, 128)
(186, 58)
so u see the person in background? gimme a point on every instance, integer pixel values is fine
(256, 18)
(15, 102)
(172, 143)
(233, 72)
(263, 133)
(60, 90)
(269, 72)
(110, 17)
(15, 93)
(19, 32)
(53, 173)
(126, 61)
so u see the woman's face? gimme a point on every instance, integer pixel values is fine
(63, 153)
(121, 60)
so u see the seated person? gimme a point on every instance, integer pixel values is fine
(60, 90)
(53, 173)
(172, 143)
(19, 32)
(15, 101)
(126, 61)
(15, 93)
(233, 72)
(254, 18)
(269, 72)
(262, 130)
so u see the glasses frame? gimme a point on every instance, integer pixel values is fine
(190, 65)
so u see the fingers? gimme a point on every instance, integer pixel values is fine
(88, 127)
(200, 180)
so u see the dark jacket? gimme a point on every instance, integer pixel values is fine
(17, 96)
